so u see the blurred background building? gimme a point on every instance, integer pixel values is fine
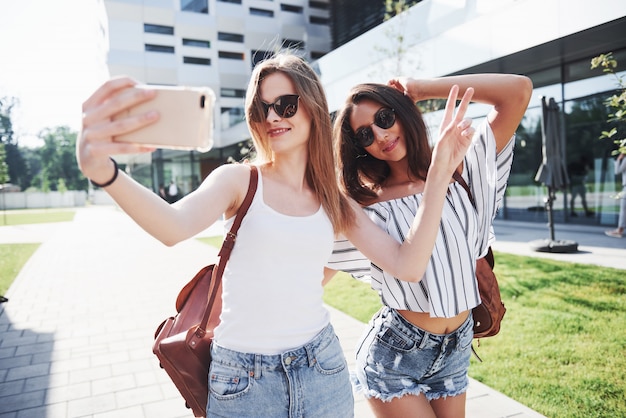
(216, 43)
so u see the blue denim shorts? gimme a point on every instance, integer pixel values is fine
(311, 381)
(395, 358)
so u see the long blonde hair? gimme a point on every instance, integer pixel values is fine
(320, 174)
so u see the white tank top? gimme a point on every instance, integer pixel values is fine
(272, 284)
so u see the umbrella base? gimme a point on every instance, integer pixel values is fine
(554, 246)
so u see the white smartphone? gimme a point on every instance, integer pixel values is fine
(186, 119)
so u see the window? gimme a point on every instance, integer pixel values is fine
(196, 6)
(159, 48)
(230, 55)
(226, 92)
(317, 55)
(258, 56)
(290, 8)
(196, 42)
(164, 30)
(318, 5)
(293, 43)
(231, 1)
(197, 61)
(230, 37)
(232, 116)
(261, 12)
(317, 20)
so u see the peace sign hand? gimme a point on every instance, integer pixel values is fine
(455, 133)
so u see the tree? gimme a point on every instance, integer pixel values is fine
(616, 103)
(32, 161)
(50, 167)
(4, 167)
(59, 170)
(246, 152)
(17, 169)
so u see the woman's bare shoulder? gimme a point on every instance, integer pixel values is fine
(233, 181)
(236, 173)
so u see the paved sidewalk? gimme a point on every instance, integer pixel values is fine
(77, 332)
(594, 247)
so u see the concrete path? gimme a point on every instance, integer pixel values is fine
(77, 332)
(594, 247)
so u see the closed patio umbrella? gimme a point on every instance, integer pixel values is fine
(552, 172)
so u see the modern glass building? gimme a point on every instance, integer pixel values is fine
(352, 18)
(213, 43)
(216, 43)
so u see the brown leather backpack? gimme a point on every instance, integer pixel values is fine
(489, 314)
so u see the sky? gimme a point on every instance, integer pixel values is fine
(50, 61)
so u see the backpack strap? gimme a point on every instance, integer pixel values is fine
(227, 246)
(459, 178)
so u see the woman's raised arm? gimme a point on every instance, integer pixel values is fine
(509, 95)
(221, 192)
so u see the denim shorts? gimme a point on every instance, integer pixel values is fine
(395, 358)
(311, 381)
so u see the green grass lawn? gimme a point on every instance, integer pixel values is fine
(35, 216)
(352, 297)
(562, 346)
(14, 256)
(12, 259)
(214, 241)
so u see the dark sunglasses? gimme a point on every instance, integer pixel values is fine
(384, 118)
(285, 106)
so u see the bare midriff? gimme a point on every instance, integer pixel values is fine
(424, 321)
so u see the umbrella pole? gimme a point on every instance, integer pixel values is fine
(549, 204)
(551, 245)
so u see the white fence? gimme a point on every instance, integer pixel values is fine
(41, 200)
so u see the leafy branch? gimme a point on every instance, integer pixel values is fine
(616, 103)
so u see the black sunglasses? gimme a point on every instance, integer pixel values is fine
(384, 119)
(285, 106)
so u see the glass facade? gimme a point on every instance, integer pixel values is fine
(232, 116)
(580, 93)
(186, 169)
(196, 6)
(351, 18)
(160, 29)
